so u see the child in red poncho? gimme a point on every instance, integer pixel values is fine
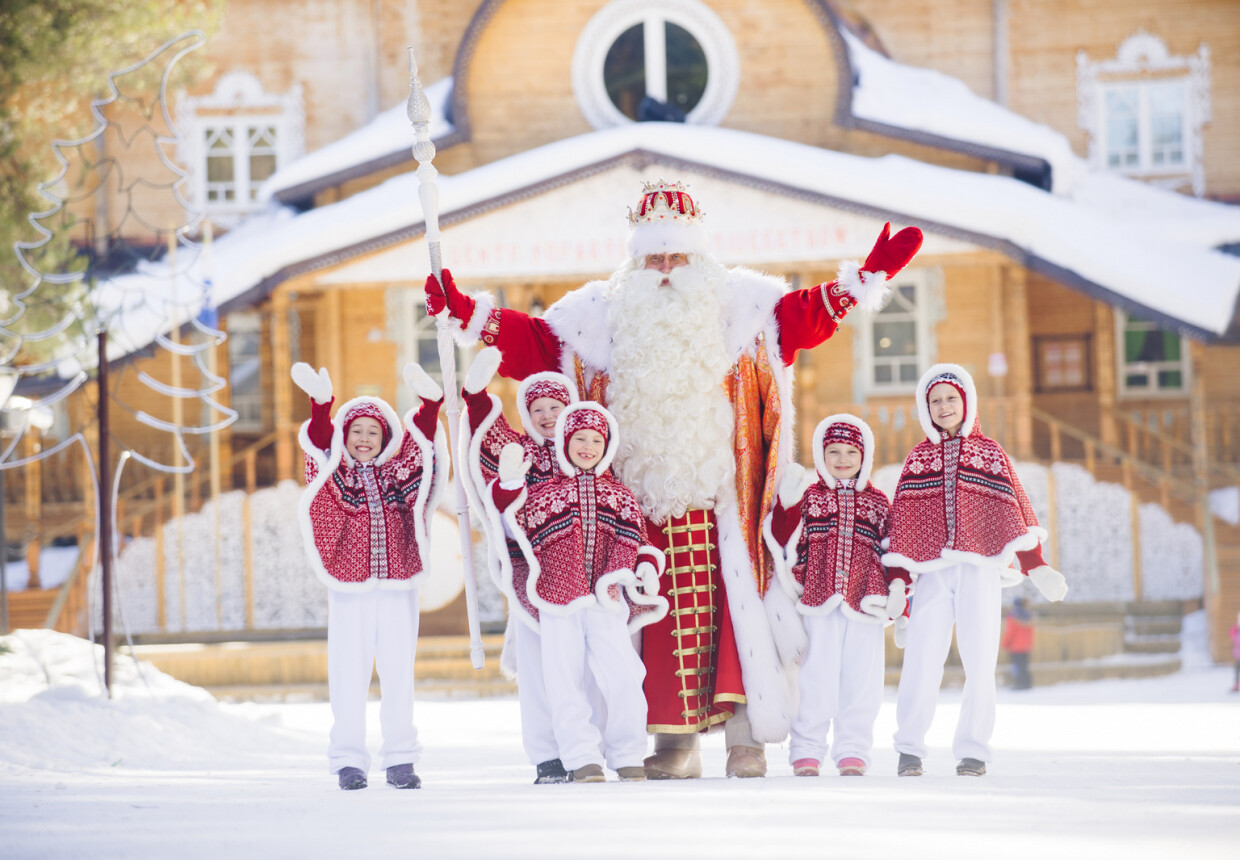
(484, 434)
(371, 486)
(584, 540)
(959, 521)
(827, 541)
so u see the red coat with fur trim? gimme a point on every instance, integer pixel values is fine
(580, 528)
(828, 546)
(366, 524)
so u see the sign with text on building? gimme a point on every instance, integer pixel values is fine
(580, 229)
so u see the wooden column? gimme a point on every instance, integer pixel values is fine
(1201, 476)
(331, 334)
(282, 385)
(1106, 380)
(1017, 347)
(31, 446)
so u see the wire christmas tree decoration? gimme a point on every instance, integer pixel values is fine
(116, 277)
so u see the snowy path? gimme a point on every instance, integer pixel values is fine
(1122, 769)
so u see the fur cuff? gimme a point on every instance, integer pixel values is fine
(470, 334)
(869, 289)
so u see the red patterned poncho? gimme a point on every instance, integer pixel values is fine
(958, 499)
(366, 524)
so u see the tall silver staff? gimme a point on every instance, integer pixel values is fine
(419, 111)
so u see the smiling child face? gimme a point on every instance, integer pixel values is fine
(842, 460)
(946, 407)
(585, 448)
(543, 412)
(365, 439)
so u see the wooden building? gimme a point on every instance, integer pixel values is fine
(998, 126)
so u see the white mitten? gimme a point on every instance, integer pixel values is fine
(648, 576)
(317, 385)
(482, 370)
(1050, 582)
(900, 634)
(897, 599)
(422, 385)
(795, 482)
(512, 465)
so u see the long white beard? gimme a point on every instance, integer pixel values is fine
(668, 365)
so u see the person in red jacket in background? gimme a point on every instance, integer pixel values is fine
(1018, 642)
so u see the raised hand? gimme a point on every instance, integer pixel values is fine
(438, 296)
(418, 380)
(892, 253)
(512, 464)
(482, 370)
(796, 480)
(317, 385)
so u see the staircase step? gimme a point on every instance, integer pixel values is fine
(224, 665)
(1153, 645)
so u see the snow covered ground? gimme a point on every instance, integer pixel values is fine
(1108, 769)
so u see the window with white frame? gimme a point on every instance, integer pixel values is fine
(234, 139)
(241, 152)
(1144, 111)
(677, 52)
(893, 347)
(1152, 360)
(245, 381)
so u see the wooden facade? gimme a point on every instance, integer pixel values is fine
(512, 66)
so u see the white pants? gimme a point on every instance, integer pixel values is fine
(537, 734)
(969, 598)
(593, 642)
(365, 630)
(841, 686)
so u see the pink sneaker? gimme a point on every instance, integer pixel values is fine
(852, 767)
(805, 767)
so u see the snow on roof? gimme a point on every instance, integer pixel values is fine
(907, 97)
(387, 134)
(1147, 247)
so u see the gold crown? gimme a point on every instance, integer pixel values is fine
(664, 202)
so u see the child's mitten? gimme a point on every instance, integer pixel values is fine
(796, 480)
(897, 599)
(317, 385)
(900, 635)
(422, 385)
(512, 465)
(648, 576)
(1050, 582)
(482, 370)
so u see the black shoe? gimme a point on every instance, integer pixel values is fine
(351, 778)
(910, 765)
(970, 767)
(402, 776)
(551, 773)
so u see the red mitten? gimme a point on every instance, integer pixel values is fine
(891, 254)
(460, 306)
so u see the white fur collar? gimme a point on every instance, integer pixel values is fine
(579, 319)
